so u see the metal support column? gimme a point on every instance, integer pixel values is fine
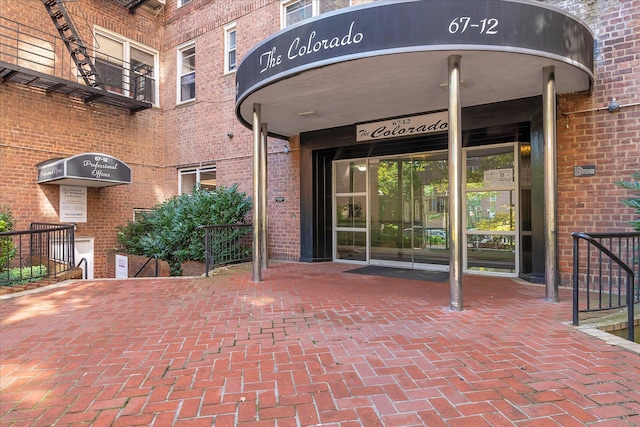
(257, 187)
(264, 249)
(550, 183)
(455, 186)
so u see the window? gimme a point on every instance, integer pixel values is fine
(230, 48)
(126, 67)
(183, 2)
(203, 178)
(187, 73)
(139, 213)
(298, 10)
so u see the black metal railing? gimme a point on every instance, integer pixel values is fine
(156, 269)
(227, 244)
(606, 273)
(84, 262)
(45, 250)
(27, 48)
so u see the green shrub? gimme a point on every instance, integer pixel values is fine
(19, 276)
(169, 230)
(7, 247)
(633, 202)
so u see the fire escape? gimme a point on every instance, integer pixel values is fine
(65, 64)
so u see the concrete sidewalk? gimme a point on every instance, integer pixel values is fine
(310, 345)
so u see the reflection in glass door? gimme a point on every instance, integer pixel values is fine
(394, 210)
(408, 210)
(350, 215)
(490, 201)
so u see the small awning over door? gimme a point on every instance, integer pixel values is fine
(85, 170)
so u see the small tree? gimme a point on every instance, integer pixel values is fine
(170, 229)
(7, 247)
(635, 201)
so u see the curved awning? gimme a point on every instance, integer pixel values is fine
(389, 59)
(85, 170)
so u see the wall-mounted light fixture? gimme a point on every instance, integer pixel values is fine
(286, 150)
(613, 106)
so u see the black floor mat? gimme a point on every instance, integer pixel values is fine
(402, 273)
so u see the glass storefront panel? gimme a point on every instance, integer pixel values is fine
(490, 205)
(491, 252)
(351, 245)
(394, 210)
(351, 211)
(351, 177)
(431, 209)
(491, 210)
(390, 210)
(409, 204)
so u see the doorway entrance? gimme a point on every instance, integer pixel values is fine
(393, 210)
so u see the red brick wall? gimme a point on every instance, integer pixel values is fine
(196, 132)
(610, 141)
(156, 143)
(35, 127)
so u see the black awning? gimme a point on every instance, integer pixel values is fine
(85, 170)
(388, 59)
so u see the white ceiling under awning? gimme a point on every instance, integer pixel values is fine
(401, 84)
(390, 58)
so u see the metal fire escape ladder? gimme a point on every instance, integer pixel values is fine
(75, 45)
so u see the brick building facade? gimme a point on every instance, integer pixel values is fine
(158, 143)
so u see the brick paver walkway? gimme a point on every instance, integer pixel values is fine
(310, 345)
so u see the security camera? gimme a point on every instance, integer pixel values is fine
(230, 134)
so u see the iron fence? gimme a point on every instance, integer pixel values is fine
(45, 250)
(606, 273)
(227, 244)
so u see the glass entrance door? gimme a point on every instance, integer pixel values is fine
(490, 203)
(393, 210)
(350, 215)
(408, 205)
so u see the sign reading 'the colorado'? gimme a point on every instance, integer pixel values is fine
(308, 45)
(379, 28)
(403, 127)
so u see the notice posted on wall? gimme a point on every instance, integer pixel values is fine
(498, 177)
(122, 267)
(73, 204)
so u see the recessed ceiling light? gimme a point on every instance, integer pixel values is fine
(463, 83)
(309, 114)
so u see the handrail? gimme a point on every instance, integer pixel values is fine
(623, 244)
(45, 250)
(152, 257)
(225, 244)
(591, 239)
(86, 265)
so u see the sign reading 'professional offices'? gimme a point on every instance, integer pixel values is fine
(395, 27)
(88, 167)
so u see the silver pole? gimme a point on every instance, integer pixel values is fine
(264, 249)
(257, 186)
(455, 186)
(550, 183)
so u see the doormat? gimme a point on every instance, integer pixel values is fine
(402, 273)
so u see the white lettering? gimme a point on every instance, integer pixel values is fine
(269, 59)
(313, 46)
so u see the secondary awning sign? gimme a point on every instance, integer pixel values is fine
(85, 170)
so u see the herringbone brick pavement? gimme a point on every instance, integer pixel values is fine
(310, 345)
